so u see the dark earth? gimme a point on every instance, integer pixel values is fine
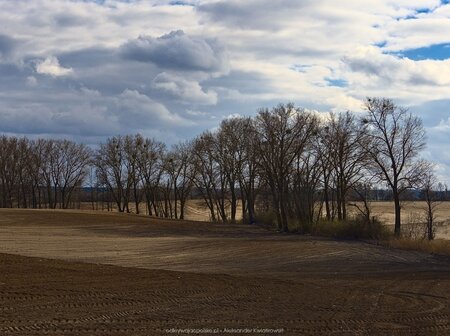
(80, 273)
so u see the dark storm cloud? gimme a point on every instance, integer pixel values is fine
(179, 51)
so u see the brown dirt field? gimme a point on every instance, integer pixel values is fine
(178, 274)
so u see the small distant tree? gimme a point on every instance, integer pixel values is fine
(432, 194)
(395, 138)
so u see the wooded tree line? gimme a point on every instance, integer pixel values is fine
(286, 160)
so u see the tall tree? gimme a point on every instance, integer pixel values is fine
(395, 138)
(284, 133)
(346, 144)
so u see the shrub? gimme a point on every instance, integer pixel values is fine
(266, 219)
(357, 227)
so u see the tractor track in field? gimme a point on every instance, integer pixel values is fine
(127, 275)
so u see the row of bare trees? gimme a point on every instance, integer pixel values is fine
(136, 169)
(40, 173)
(288, 161)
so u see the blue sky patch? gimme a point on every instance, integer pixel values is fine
(300, 67)
(336, 82)
(179, 3)
(434, 52)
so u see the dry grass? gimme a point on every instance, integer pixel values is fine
(438, 246)
(412, 215)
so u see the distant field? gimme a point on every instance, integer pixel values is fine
(181, 274)
(412, 212)
(196, 210)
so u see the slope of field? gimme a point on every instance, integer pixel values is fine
(179, 274)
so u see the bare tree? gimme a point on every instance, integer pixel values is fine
(284, 133)
(209, 179)
(395, 139)
(305, 182)
(346, 141)
(150, 163)
(432, 191)
(73, 161)
(362, 192)
(182, 171)
(112, 167)
(9, 158)
(246, 139)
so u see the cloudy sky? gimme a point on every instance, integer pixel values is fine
(86, 70)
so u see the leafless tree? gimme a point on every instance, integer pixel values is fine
(70, 169)
(346, 142)
(209, 179)
(8, 169)
(182, 171)
(150, 162)
(284, 134)
(112, 167)
(395, 139)
(362, 194)
(432, 191)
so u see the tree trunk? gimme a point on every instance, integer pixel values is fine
(397, 214)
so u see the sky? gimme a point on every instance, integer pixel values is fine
(87, 70)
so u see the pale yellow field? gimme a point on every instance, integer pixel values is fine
(412, 214)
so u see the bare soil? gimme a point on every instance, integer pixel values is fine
(80, 273)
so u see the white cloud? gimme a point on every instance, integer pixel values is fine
(50, 66)
(138, 110)
(372, 62)
(186, 91)
(154, 67)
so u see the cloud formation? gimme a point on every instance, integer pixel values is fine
(176, 50)
(186, 91)
(91, 69)
(393, 69)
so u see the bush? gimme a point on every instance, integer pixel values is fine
(266, 219)
(356, 228)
